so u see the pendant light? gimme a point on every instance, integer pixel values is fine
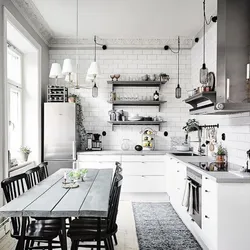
(55, 72)
(178, 88)
(204, 70)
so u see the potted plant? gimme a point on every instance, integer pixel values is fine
(77, 175)
(220, 155)
(72, 98)
(25, 151)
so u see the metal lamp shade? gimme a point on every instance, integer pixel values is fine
(55, 71)
(67, 66)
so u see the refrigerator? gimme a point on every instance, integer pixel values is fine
(61, 138)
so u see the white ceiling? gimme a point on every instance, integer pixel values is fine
(126, 19)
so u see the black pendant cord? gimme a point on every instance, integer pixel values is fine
(95, 47)
(178, 61)
(204, 33)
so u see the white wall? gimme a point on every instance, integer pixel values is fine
(132, 62)
(31, 106)
(236, 127)
(44, 76)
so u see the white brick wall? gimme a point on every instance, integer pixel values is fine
(133, 63)
(236, 127)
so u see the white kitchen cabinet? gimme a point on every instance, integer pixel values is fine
(176, 175)
(143, 173)
(143, 183)
(97, 161)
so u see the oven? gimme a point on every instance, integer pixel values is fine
(195, 190)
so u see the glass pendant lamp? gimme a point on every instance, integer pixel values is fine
(204, 70)
(178, 88)
(95, 91)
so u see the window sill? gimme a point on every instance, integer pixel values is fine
(20, 165)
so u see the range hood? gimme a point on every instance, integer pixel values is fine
(205, 104)
(232, 91)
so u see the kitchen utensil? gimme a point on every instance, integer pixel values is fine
(211, 80)
(138, 148)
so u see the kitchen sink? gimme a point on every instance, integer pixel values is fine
(185, 154)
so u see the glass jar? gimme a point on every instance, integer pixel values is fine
(125, 144)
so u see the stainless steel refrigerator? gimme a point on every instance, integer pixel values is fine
(61, 139)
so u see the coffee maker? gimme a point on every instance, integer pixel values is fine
(94, 142)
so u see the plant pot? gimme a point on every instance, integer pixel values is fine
(24, 157)
(220, 158)
(71, 99)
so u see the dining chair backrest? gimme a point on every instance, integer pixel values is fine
(33, 176)
(12, 188)
(118, 171)
(114, 202)
(43, 170)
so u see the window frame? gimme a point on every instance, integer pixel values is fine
(18, 87)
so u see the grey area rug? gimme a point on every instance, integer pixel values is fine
(159, 227)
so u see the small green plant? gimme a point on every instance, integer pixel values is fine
(77, 174)
(221, 150)
(25, 150)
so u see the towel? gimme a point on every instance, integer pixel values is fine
(186, 195)
(191, 200)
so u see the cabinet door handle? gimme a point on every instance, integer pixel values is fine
(143, 176)
(171, 158)
(206, 178)
(178, 162)
(178, 188)
(206, 191)
(178, 171)
(143, 162)
(206, 217)
(192, 219)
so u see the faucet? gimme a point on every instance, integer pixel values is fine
(200, 147)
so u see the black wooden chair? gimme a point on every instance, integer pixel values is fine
(43, 170)
(84, 230)
(36, 230)
(33, 176)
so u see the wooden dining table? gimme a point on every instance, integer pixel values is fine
(49, 199)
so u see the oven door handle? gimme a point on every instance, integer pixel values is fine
(195, 185)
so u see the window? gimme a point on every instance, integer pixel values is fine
(14, 77)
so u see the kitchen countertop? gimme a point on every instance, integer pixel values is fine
(123, 152)
(233, 175)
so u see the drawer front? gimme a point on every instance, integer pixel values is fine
(143, 168)
(132, 158)
(96, 165)
(96, 157)
(143, 184)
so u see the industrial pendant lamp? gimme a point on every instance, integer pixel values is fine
(178, 88)
(204, 70)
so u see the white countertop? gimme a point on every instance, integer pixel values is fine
(123, 152)
(232, 176)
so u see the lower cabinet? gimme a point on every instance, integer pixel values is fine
(143, 183)
(141, 173)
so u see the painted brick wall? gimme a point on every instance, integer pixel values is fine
(132, 63)
(236, 127)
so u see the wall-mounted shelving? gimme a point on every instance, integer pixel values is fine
(136, 83)
(148, 103)
(158, 123)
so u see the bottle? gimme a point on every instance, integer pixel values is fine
(156, 96)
